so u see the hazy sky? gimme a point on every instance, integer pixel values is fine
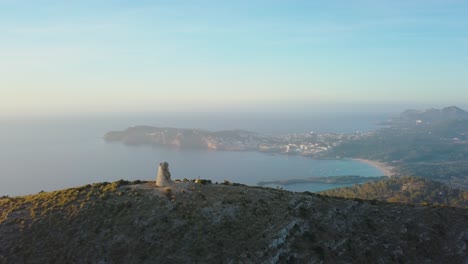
(108, 56)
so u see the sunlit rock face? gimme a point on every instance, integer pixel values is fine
(164, 176)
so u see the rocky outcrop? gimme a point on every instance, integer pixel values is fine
(194, 223)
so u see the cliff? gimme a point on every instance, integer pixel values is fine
(125, 222)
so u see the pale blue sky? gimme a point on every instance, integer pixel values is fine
(117, 56)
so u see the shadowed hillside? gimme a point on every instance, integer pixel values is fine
(193, 223)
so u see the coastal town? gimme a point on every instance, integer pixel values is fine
(305, 144)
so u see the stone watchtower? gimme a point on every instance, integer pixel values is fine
(164, 176)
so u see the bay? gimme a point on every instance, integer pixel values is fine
(51, 154)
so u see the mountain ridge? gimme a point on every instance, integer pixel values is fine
(124, 222)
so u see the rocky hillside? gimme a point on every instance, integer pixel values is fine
(125, 222)
(406, 189)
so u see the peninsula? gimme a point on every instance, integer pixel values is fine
(306, 144)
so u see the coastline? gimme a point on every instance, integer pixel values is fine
(381, 166)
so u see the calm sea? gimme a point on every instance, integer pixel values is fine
(50, 154)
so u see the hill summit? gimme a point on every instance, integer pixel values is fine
(188, 222)
(434, 115)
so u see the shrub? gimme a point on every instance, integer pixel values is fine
(202, 181)
(168, 193)
(122, 182)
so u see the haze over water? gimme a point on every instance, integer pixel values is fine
(324, 57)
(50, 154)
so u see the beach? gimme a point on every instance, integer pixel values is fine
(383, 167)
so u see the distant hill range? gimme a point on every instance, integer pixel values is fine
(434, 115)
(126, 222)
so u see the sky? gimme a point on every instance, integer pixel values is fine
(208, 55)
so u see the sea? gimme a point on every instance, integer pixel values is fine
(51, 153)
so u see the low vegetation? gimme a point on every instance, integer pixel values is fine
(406, 189)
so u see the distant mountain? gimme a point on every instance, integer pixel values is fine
(406, 190)
(434, 115)
(193, 223)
